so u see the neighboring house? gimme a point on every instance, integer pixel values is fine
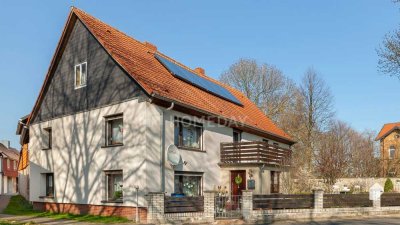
(8, 169)
(111, 107)
(389, 138)
(23, 162)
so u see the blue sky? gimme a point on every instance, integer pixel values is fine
(338, 38)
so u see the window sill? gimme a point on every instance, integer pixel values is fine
(50, 197)
(191, 149)
(45, 149)
(111, 146)
(111, 201)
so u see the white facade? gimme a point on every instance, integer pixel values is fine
(78, 158)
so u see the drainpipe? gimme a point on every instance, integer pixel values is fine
(162, 115)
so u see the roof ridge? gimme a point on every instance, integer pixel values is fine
(74, 9)
(391, 123)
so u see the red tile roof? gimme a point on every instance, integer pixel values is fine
(387, 129)
(137, 59)
(9, 152)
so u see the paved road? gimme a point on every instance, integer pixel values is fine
(384, 220)
(360, 221)
(4, 200)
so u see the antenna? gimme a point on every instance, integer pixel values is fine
(174, 157)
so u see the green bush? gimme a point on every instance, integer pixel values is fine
(388, 185)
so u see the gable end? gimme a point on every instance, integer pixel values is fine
(107, 82)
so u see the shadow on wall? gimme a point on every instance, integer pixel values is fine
(78, 159)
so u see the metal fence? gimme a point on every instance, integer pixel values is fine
(229, 206)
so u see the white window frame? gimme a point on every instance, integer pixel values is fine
(108, 132)
(190, 174)
(80, 67)
(178, 124)
(394, 154)
(113, 172)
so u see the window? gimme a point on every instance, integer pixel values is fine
(188, 134)
(8, 163)
(188, 183)
(80, 75)
(49, 185)
(392, 151)
(114, 130)
(114, 185)
(47, 138)
(237, 136)
(15, 164)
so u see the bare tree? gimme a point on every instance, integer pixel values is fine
(317, 110)
(264, 84)
(363, 158)
(332, 156)
(389, 54)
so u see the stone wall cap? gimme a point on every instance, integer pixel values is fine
(155, 192)
(317, 189)
(210, 191)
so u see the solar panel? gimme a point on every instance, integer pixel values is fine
(197, 81)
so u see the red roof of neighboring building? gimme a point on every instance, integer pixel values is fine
(137, 59)
(9, 152)
(387, 129)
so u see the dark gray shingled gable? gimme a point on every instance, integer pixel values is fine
(107, 83)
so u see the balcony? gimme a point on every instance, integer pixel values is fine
(258, 152)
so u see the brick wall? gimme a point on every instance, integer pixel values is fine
(390, 165)
(98, 210)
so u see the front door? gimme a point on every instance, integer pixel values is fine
(238, 182)
(275, 181)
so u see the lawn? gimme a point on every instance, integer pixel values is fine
(20, 206)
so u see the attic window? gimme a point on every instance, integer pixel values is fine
(80, 75)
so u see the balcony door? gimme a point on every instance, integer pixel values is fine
(275, 181)
(237, 136)
(238, 181)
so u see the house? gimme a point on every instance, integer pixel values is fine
(8, 168)
(389, 143)
(23, 162)
(111, 110)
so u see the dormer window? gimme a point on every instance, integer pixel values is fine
(392, 151)
(80, 75)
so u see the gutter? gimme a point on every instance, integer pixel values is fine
(155, 95)
(162, 137)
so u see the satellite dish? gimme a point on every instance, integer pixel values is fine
(173, 155)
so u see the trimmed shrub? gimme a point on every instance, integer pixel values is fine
(388, 185)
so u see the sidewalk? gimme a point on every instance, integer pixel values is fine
(4, 200)
(47, 221)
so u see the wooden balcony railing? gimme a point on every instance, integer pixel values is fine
(254, 152)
